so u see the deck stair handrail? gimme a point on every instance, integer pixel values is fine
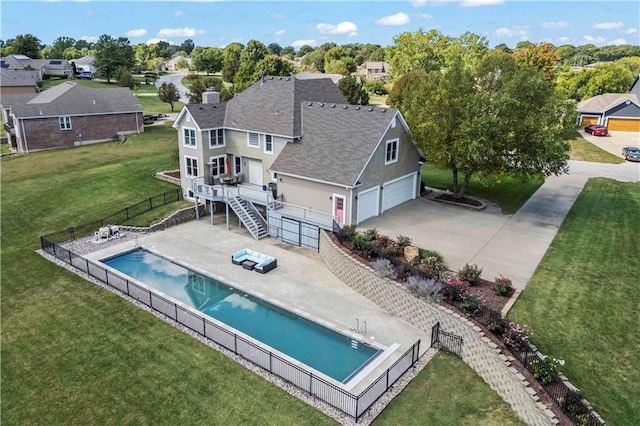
(248, 215)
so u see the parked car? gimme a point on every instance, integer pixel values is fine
(85, 75)
(631, 153)
(597, 130)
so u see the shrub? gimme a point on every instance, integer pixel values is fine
(403, 241)
(347, 233)
(471, 303)
(425, 254)
(546, 369)
(470, 274)
(434, 267)
(496, 326)
(405, 270)
(370, 234)
(358, 241)
(455, 289)
(516, 336)
(428, 289)
(384, 268)
(502, 286)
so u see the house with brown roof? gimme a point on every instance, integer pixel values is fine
(616, 111)
(12, 82)
(69, 114)
(289, 156)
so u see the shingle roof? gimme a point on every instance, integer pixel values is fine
(273, 104)
(17, 78)
(338, 141)
(208, 116)
(74, 99)
(602, 103)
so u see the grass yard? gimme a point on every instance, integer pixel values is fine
(583, 150)
(153, 105)
(447, 392)
(157, 214)
(378, 100)
(5, 148)
(583, 303)
(509, 193)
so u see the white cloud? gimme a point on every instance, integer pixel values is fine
(89, 39)
(516, 31)
(476, 3)
(279, 33)
(631, 31)
(136, 33)
(299, 43)
(608, 25)
(179, 14)
(618, 42)
(555, 25)
(564, 40)
(594, 40)
(418, 3)
(179, 32)
(400, 18)
(155, 40)
(345, 27)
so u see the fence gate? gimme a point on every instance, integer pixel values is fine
(294, 232)
(448, 342)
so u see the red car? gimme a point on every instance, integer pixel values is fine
(596, 130)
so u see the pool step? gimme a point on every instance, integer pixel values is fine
(354, 344)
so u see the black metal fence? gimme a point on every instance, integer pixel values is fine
(350, 404)
(118, 218)
(564, 396)
(446, 341)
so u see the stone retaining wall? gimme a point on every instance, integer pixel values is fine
(167, 178)
(181, 216)
(479, 352)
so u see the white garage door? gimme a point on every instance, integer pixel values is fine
(398, 191)
(368, 202)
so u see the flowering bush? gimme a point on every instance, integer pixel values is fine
(503, 286)
(516, 336)
(455, 289)
(428, 289)
(384, 268)
(471, 303)
(403, 241)
(546, 370)
(470, 274)
(434, 267)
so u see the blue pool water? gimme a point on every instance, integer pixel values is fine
(312, 344)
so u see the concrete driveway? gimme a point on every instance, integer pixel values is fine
(614, 142)
(511, 245)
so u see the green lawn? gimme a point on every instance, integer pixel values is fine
(509, 193)
(583, 150)
(583, 303)
(378, 100)
(4, 148)
(447, 392)
(157, 214)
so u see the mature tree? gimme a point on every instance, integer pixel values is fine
(71, 53)
(304, 50)
(26, 44)
(254, 52)
(187, 46)
(248, 73)
(60, 45)
(606, 78)
(47, 52)
(503, 47)
(83, 44)
(198, 85)
(144, 53)
(113, 53)
(231, 61)
(542, 56)
(288, 51)
(274, 49)
(632, 63)
(208, 59)
(165, 50)
(500, 117)
(167, 92)
(314, 61)
(352, 90)
(126, 79)
(417, 51)
(274, 65)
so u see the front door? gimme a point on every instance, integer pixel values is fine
(255, 171)
(338, 208)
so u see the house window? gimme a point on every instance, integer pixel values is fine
(253, 139)
(189, 137)
(391, 154)
(216, 138)
(191, 164)
(237, 164)
(217, 165)
(268, 144)
(65, 123)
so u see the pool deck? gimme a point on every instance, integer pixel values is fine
(301, 283)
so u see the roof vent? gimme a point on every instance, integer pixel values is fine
(288, 78)
(310, 103)
(279, 78)
(345, 106)
(358, 108)
(321, 104)
(383, 110)
(370, 109)
(94, 101)
(333, 105)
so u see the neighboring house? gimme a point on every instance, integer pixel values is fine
(306, 75)
(306, 157)
(86, 63)
(375, 71)
(69, 114)
(616, 111)
(12, 82)
(43, 67)
(178, 63)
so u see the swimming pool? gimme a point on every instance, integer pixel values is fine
(327, 351)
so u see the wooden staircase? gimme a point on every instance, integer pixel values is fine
(249, 216)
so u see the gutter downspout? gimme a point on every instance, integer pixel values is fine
(24, 137)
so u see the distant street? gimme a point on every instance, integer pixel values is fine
(176, 79)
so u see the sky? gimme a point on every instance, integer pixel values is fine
(296, 23)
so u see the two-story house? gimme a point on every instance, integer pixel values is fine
(292, 156)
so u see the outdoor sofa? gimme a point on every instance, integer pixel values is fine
(250, 259)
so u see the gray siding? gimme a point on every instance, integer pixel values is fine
(313, 195)
(624, 110)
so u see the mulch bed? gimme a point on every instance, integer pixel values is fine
(174, 174)
(484, 289)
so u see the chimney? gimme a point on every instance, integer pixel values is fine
(211, 96)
